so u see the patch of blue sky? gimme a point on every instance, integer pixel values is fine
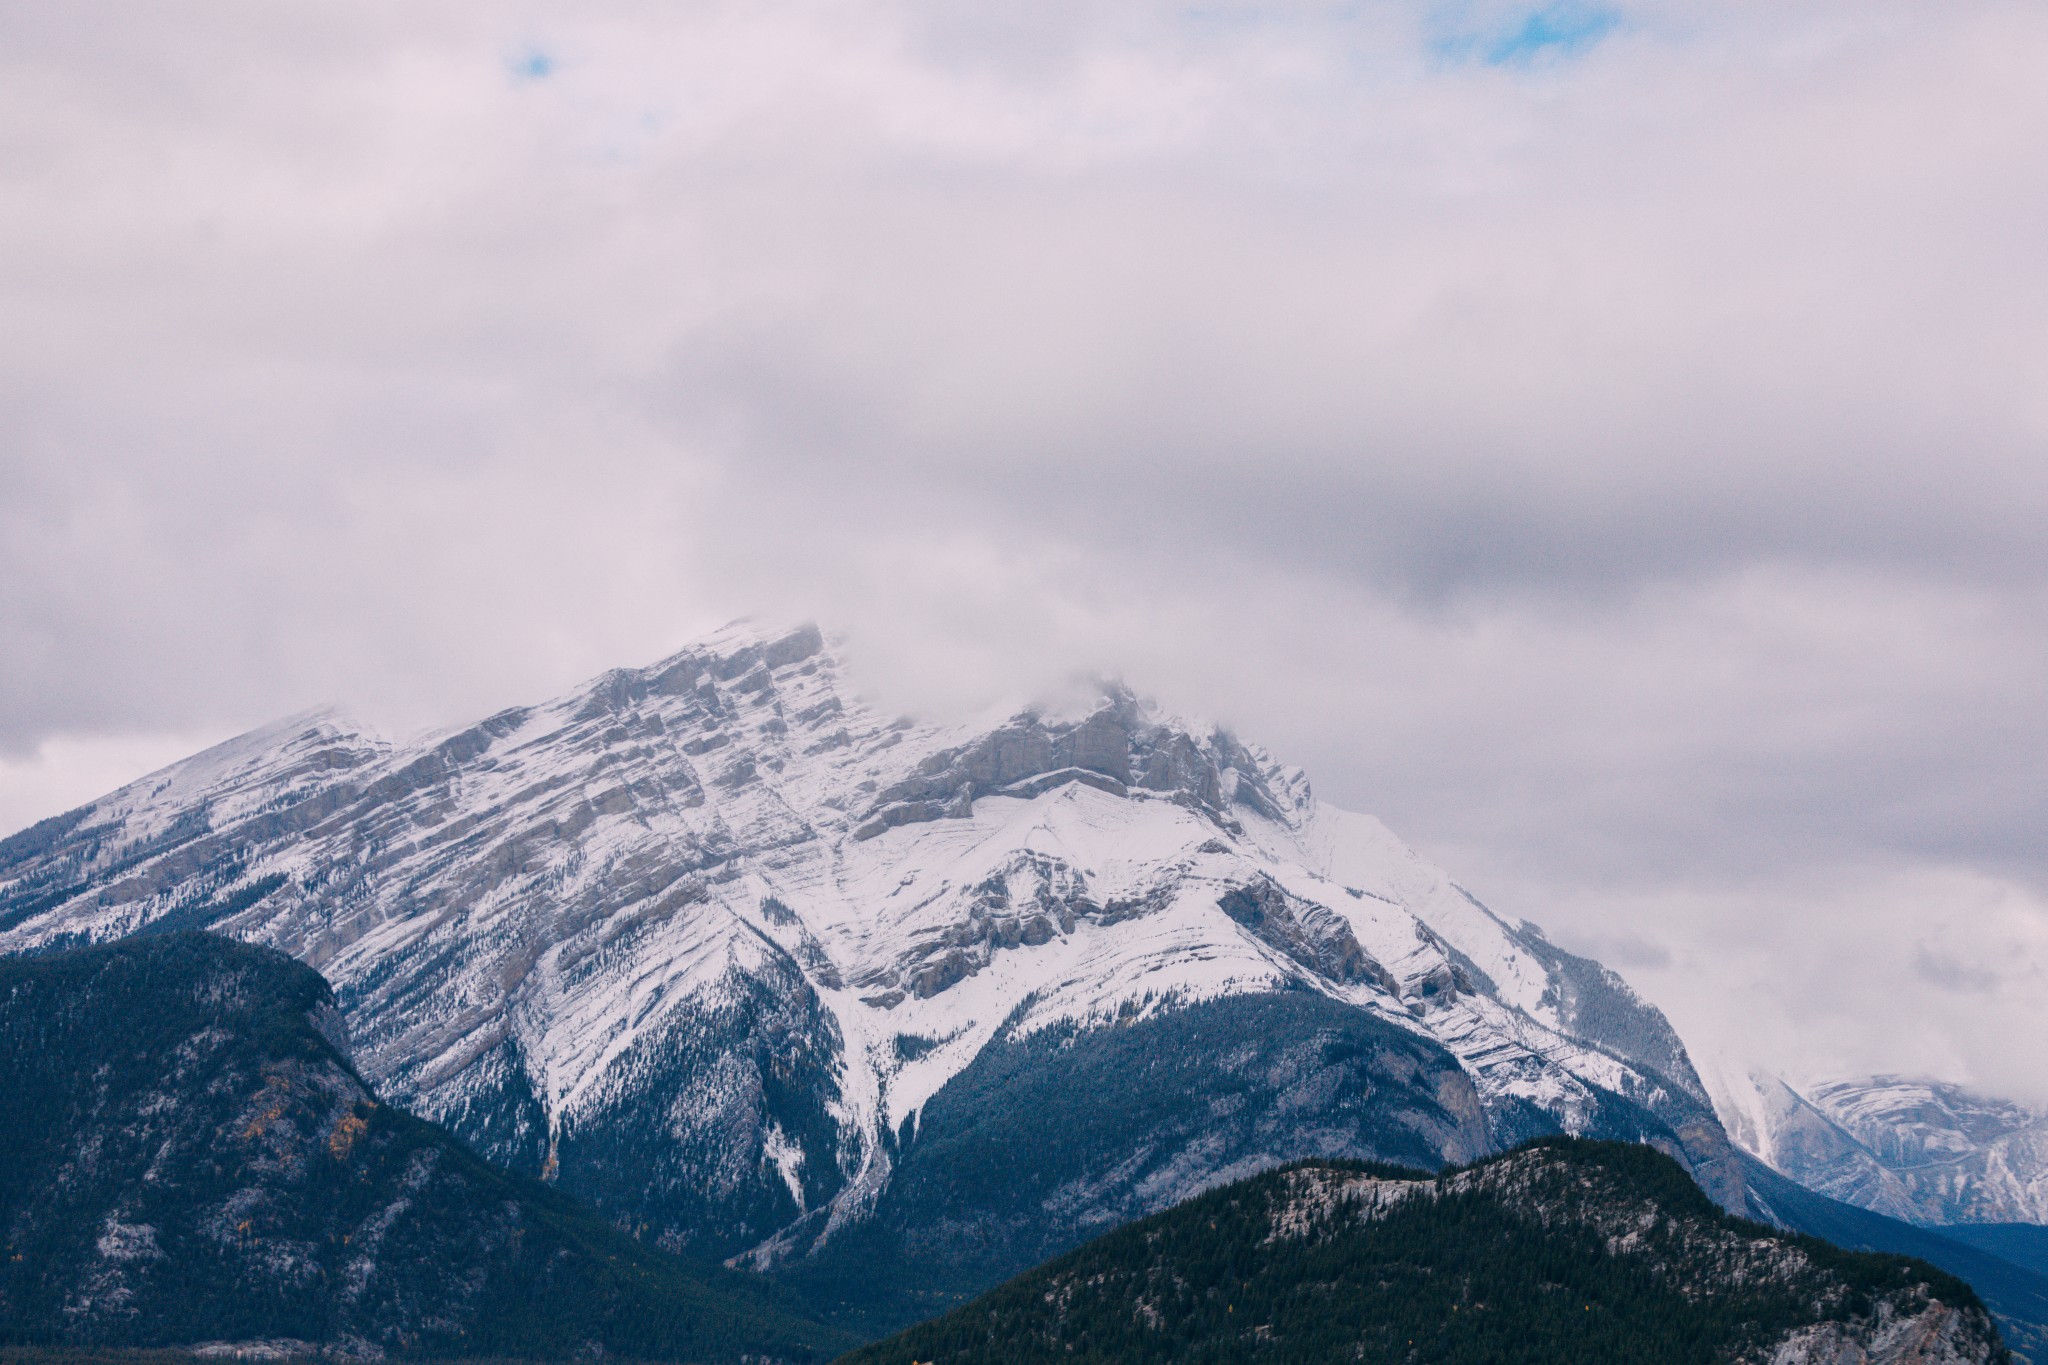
(1565, 29)
(530, 64)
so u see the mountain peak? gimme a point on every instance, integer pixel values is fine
(774, 642)
(717, 945)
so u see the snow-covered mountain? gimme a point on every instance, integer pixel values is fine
(1924, 1151)
(719, 947)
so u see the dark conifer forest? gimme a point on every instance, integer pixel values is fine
(1563, 1251)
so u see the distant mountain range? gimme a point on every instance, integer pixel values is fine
(1918, 1150)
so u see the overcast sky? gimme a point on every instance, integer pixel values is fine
(1604, 440)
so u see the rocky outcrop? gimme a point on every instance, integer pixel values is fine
(1318, 938)
(1117, 748)
(1935, 1335)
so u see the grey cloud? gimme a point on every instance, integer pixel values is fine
(1941, 968)
(1622, 473)
(1629, 953)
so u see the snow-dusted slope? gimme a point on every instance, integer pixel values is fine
(1923, 1151)
(703, 940)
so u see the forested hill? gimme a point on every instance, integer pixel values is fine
(189, 1156)
(1560, 1251)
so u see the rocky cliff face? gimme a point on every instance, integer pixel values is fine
(190, 1158)
(716, 946)
(1935, 1334)
(1564, 1251)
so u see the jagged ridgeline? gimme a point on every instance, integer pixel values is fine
(1559, 1253)
(189, 1156)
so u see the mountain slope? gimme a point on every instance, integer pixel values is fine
(718, 948)
(1047, 1140)
(2024, 1244)
(2016, 1292)
(1559, 1252)
(189, 1157)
